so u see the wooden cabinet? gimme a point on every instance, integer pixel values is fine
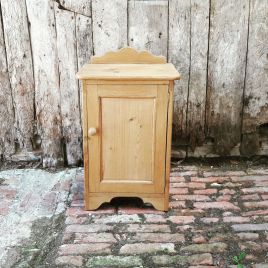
(127, 118)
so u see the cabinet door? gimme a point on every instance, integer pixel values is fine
(127, 153)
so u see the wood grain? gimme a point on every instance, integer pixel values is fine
(109, 25)
(226, 72)
(179, 55)
(47, 93)
(256, 86)
(128, 72)
(19, 59)
(81, 7)
(70, 106)
(198, 73)
(128, 55)
(7, 131)
(148, 26)
(84, 47)
(127, 130)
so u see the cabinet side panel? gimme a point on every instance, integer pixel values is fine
(169, 142)
(161, 132)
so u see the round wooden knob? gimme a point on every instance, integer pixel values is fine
(92, 131)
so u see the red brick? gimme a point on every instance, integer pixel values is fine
(189, 212)
(181, 219)
(216, 205)
(255, 213)
(217, 247)
(136, 210)
(193, 185)
(139, 248)
(191, 197)
(70, 260)
(261, 183)
(264, 197)
(88, 228)
(250, 197)
(81, 212)
(248, 236)
(158, 237)
(177, 204)
(206, 191)
(224, 198)
(199, 239)
(66, 237)
(261, 204)
(85, 238)
(254, 190)
(236, 219)
(146, 228)
(152, 218)
(92, 248)
(227, 191)
(210, 179)
(250, 227)
(209, 220)
(178, 191)
(177, 179)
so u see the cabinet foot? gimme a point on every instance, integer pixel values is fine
(93, 202)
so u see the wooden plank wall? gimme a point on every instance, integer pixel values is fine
(220, 48)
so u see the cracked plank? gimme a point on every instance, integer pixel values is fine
(226, 72)
(109, 25)
(47, 92)
(70, 106)
(148, 26)
(179, 55)
(19, 59)
(198, 72)
(7, 145)
(84, 47)
(82, 7)
(256, 84)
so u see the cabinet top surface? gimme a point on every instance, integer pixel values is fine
(165, 71)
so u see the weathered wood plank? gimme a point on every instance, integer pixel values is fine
(179, 55)
(7, 145)
(70, 106)
(84, 47)
(19, 59)
(198, 72)
(47, 93)
(226, 72)
(256, 86)
(148, 26)
(82, 7)
(109, 25)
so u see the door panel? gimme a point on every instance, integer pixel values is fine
(128, 151)
(127, 139)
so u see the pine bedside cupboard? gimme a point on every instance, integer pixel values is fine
(127, 124)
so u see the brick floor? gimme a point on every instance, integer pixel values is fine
(215, 214)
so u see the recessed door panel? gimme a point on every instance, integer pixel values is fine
(128, 150)
(128, 139)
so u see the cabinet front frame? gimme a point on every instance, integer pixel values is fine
(92, 184)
